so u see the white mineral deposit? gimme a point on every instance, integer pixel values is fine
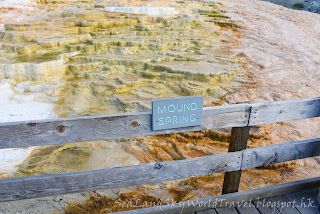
(99, 57)
(150, 11)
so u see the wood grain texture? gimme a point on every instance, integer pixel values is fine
(67, 130)
(247, 208)
(210, 211)
(227, 210)
(218, 201)
(238, 141)
(271, 112)
(280, 153)
(286, 210)
(40, 186)
(306, 200)
(265, 209)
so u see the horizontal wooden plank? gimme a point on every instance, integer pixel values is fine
(40, 186)
(303, 199)
(210, 211)
(288, 209)
(280, 153)
(219, 201)
(67, 130)
(266, 209)
(249, 208)
(271, 112)
(227, 210)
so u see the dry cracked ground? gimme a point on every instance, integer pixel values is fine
(61, 59)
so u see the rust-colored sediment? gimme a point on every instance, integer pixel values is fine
(87, 62)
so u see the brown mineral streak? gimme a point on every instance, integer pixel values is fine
(89, 62)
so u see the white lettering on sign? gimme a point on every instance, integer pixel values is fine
(177, 112)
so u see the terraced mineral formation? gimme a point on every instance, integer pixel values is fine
(87, 61)
(102, 57)
(16, 4)
(150, 11)
(91, 57)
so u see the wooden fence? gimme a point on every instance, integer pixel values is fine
(240, 117)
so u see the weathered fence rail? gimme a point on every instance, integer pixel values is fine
(207, 203)
(40, 186)
(68, 130)
(240, 117)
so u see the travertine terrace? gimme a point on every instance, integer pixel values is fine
(63, 58)
(75, 58)
(87, 61)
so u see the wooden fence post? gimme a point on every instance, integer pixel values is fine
(238, 141)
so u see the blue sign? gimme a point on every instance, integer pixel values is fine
(169, 113)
